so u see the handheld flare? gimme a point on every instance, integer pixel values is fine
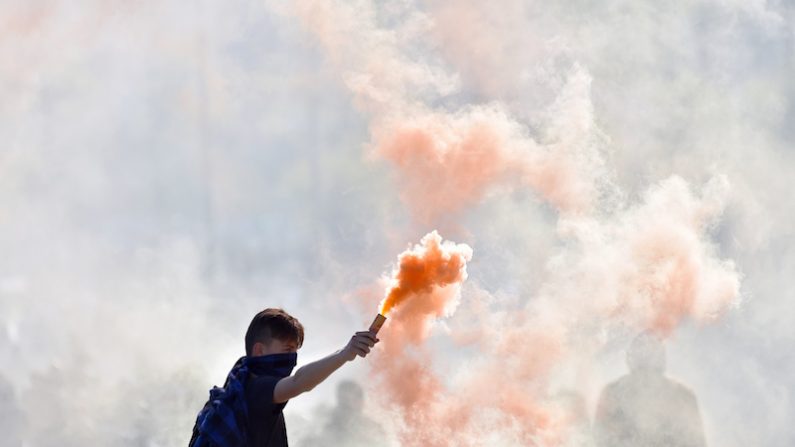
(377, 323)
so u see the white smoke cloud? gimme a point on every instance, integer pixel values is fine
(168, 169)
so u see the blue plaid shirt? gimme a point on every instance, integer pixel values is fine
(224, 419)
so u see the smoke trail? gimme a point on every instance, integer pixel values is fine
(449, 161)
(426, 286)
(643, 267)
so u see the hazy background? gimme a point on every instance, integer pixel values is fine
(169, 168)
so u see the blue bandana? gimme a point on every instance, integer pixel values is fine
(223, 420)
(277, 365)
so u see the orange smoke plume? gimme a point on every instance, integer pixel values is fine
(425, 285)
(432, 263)
(450, 162)
(622, 266)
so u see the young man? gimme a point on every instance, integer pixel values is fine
(248, 410)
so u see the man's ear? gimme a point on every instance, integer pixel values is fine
(258, 349)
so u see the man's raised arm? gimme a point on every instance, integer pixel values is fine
(311, 374)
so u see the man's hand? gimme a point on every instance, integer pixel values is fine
(360, 345)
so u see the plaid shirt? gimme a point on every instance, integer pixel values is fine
(223, 420)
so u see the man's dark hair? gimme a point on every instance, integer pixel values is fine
(273, 323)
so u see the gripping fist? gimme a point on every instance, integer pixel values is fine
(360, 345)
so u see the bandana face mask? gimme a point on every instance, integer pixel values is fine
(278, 365)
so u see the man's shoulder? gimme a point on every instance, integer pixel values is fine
(680, 390)
(618, 385)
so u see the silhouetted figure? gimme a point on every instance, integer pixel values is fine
(347, 426)
(645, 408)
